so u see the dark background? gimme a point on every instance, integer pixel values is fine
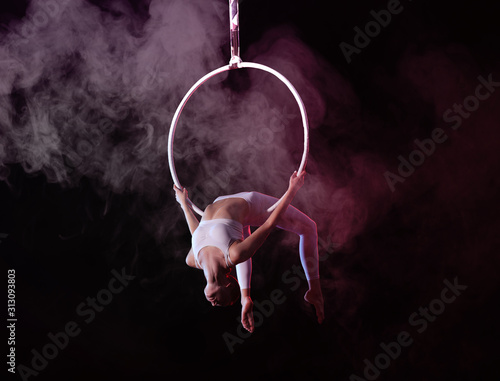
(63, 245)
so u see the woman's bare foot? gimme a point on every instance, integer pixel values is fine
(315, 297)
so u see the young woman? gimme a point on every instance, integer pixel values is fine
(222, 240)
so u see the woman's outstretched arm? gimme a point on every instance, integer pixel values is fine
(244, 250)
(182, 196)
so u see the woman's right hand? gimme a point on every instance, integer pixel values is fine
(296, 182)
(247, 314)
(181, 195)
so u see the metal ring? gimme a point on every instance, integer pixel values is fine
(205, 78)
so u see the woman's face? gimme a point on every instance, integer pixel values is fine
(223, 294)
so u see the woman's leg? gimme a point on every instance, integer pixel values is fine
(293, 220)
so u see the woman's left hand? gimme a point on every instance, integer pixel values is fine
(247, 314)
(181, 195)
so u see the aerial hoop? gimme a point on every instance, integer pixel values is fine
(235, 63)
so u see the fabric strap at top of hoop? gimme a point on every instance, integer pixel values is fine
(234, 27)
(202, 80)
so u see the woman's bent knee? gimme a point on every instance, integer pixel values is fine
(308, 227)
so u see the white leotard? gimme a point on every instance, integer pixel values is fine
(220, 232)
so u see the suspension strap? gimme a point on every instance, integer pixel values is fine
(234, 24)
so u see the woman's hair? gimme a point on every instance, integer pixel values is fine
(233, 290)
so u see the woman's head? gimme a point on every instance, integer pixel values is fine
(224, 292)
(222, 289)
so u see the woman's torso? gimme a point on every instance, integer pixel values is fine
(231, 208)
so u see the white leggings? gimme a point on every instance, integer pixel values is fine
(292, 220)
